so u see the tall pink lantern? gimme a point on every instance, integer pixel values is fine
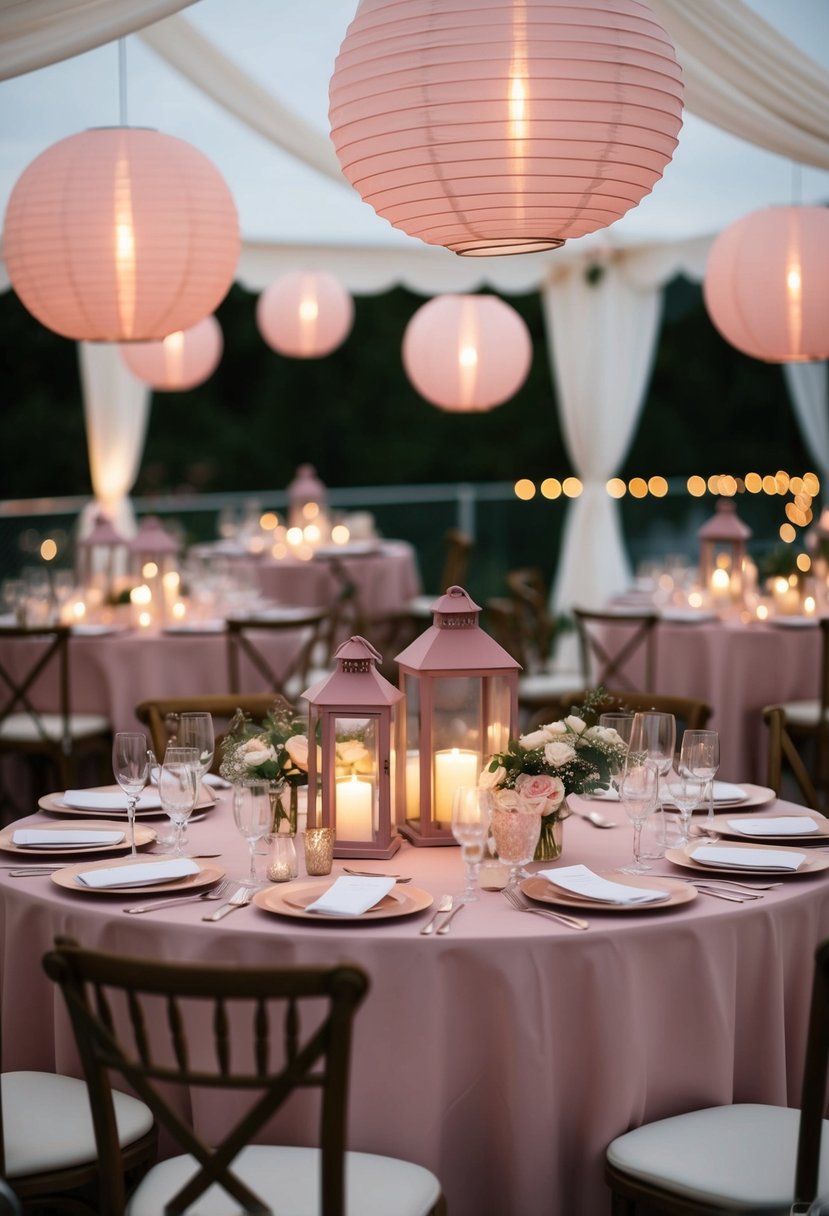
(305, 314)
(180, 361)
(121, 235)
(767, 284)
(504, 126)
(467, 353)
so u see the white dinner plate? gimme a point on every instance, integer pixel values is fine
(292, 899)
(684, 857)
(208, 875)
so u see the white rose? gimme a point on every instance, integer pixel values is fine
(536, 738)
(257, 751)
(491, 780)
(297, 748)
(559, 753)
(601, 734)
(351, 751)
(577, 725)
(555, 728)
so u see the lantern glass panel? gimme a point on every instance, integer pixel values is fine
(357, 766)
(455, 746)
(497, 714)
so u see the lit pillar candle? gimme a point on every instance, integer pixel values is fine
(413, 783)
(354, 811)
(453, 767)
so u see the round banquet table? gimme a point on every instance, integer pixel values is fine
(505, 1055)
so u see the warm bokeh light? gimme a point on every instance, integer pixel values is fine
(340, 534)
(525, 489)
(781, 479)
(809, 605)
(811, 484)
(696, 486)
(795, 515)
(695, 599)
(268, 520)
(787, 533)
(769, 484)
(179, 610)
(754, 483)
(310, 510)
(638, 487)
(728, 486)
(311, 534)
(658, 486)
(720, 579)
(762, 612)
(149, 570)
(796, 485)
(551, 487)
(294, 536)
(170, 581)
(803, 562)
(572, 487)
(141, 594)
(714, 484)
(48, 549)
(616, 488)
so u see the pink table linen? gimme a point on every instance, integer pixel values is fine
(738, 669)
(507, 1054)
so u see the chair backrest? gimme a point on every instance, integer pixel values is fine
(49, 649)
(690, 713)
(246, 636)
(458, 550)
(266, 1031)
(782, 755)
(813, 1094)
(530, 599)
(605, 659)
(162, 715)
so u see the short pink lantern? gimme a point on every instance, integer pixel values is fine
(767, 284)
(180, 361)
(467, 353)
(305, 314)
(121, 235)
(504, 126)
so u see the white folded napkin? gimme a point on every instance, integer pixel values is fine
(217, 782)
(141, 875)
(98, 800)
(723, 792)
(45, 837)
(748, 859)
(786, 825)
(581, 881)
(351, 896)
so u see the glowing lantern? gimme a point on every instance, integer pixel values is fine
(305, 314)
(180, 361)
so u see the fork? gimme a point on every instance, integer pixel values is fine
(214, 893)
(517, 901)
(725, 882)
(239, 899)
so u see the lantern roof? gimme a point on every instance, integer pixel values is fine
(355, 681)
(306, 486)
(103, 532)
(151, 537)
(455, 641)
(725, 524)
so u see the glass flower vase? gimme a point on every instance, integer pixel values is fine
(551, 839)
(283, 796)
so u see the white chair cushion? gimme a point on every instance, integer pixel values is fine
(802, 713)
(47, 1124)
(742, 1156)
(288, 1178)
(21, 728)
(546, 684)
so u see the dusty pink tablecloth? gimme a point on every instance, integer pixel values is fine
(506, 1055)
(738, 669)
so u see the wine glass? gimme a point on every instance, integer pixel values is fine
(622, 723)
(700, 755)
(195, 729)
(178, 783)
(131, 767)
(653, 738)
(516, 826)
(470, 827)
(252, 815)
(686, 790)
(639, 793)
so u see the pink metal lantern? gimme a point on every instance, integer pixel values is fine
(305, 314)
(100, 554)
(467, 353)
(352, 714)
(461, 691)
(767, 284)
(121, 235)
(180, 361)
(493, 126)
(722, 553)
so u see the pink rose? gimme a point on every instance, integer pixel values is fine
(541, 786)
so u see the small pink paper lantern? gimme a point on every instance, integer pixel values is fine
(497, 127)
(121, 235)
(467, 353)
(180, 361)
(767, 284)
(305, 314)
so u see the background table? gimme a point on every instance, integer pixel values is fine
(506, 1055)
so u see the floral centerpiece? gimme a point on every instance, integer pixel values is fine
(569, 756)
(275, 750)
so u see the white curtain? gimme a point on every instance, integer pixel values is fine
(808, 385)
(116, 410)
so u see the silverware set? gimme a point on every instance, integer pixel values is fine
(521, 904)
(736, 891)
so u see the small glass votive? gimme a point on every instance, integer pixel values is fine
(319, 850)
(282, 865)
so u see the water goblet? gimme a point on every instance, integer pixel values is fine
(622, 723)
(653, 738)
(178, 783)
(131, 759)
(638, 794)
(470, 827)
(252, 816)
(685, 790)
(195, 729)
(700, 755)
(516, 827)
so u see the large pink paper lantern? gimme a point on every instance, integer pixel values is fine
(504, 126)
(180, 361)
(305, 314)
(120, 235)
(767, 284)
(467, 353)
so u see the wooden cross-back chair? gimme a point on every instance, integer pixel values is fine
(264, 1032)
(608, 664)
(247, 636)
(691, 713)
(161, 715)
(784, 757)
(806, 730)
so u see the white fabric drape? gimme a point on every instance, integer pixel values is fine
(35, 33)
(116, 410)
(808, 385)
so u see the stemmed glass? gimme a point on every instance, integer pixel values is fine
(639, 793)
(653, 738)
(131, 760)
(178, 783)
(195, 729)
(622, 723)
(252, 815)
(686, 790)
(470, 827)
(700, 755)
(516, 826)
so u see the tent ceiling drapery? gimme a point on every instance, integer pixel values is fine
(740, 75)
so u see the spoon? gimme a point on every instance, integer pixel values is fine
(596, 818)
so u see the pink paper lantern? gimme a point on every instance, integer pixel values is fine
(467, 353)
(305, 314)
(494, 127)
(180, 361)
(767, 284)
(121, 235)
